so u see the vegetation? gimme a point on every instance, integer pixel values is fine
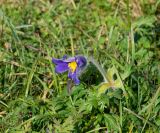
(120, 87)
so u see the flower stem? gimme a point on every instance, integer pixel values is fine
(101, 70)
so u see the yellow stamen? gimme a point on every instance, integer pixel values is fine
(72, 66)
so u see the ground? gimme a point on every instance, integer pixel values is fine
(119, 89)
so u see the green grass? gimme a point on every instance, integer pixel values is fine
(120, 47)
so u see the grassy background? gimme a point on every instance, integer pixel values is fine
(122, 34)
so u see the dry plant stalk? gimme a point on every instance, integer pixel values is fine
(136, 9)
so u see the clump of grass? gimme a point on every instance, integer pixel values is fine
(33, 98)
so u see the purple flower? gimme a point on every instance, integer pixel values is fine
(73, 65)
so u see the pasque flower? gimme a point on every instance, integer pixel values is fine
(74, 65)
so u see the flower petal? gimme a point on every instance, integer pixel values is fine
(71, 59)
(57, 61)
(74, 77)
(81, 61)
(61, 67)
(64, 57)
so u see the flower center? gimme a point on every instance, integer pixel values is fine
(72, 66)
